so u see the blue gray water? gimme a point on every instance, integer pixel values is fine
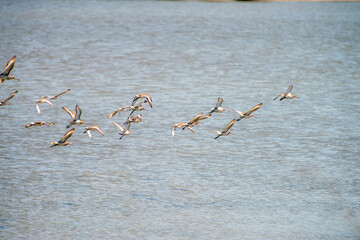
(293, 172)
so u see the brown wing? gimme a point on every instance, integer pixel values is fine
(78, 112)
(289, 89)
(253, 109)
(119, 126)
(10, 97)
(231, 123)
(56, 96)
(196, 118)
(9, 66)
(98, 129)
(113, 113)
(72, 115)
(67, 135)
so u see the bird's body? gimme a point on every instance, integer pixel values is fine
(38, 123)
(56, 97)
(218, 108)
(194, 121)
(8, 98)
(287, 94)
(42, 100)
(62, 141)
(247, 114)
(75, 116)
(5, 74)
(89, 129)
(147, 98)
(123, 132)
(226, 131)
(136, 119)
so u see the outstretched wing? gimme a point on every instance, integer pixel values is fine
(9, 66)
(119, 126)
(195, 119)
(56, 96)
(253, 109)
(78, 112)
(289, 89)
(231, 123)
(72, 115)
(67, 135)
(219, 102)
(10, 97)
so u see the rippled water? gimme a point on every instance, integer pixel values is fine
(291, 173)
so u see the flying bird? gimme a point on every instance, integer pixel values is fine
(56, 97)
(123, 132)
(226, 131)
(75, 116)
(218, 108)
(147, 98)
(5, 74)
(287, 94)
(89, 129)
(38, 123)
(8, 98)
(62, 141)
(42, 100)
(248, 114)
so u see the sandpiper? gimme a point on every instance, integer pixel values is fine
(193, 121)
(287, 94)
(123, 132)
(226, 131)
(75, 117)
(56, 97)
(62, 141)
(5, 74)
(38, 123)
(8, 98)
(248, 114)
(89, 129)
(144, 96)
(136, 119)
(42, 100)
(218, 108)
(180, 125)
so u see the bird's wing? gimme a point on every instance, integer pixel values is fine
(99, 130)
(289, 89)
(238, 112)
(253, 109)
(231, 123)
(89, 133)
(78, 112)
(277, 97)
(72, 115)
(48, 102)
(196, 118)
(10, 97)
(119, 126)
(9, 66)
(37, 108)
(219, 102)
(56, 96)
(113, 113)
(127, 126)
(67, 135)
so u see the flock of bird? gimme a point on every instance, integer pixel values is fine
(135, 106)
